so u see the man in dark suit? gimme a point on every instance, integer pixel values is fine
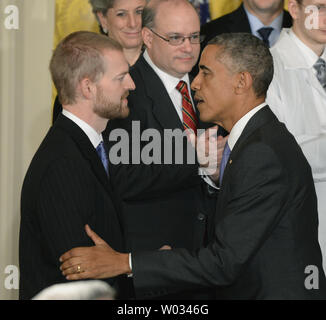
(162, 203)
(264, 237)
(262, 18)
(66, 185)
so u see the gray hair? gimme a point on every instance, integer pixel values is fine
(150, 12)
(243, 52)
(101, 5)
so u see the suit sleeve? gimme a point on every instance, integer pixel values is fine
(65, 205)
(137, 181)
(256, 201)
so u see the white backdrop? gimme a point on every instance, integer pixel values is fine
(25, 114)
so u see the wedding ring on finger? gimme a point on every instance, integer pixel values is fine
(79, 269)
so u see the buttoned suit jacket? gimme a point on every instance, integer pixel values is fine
(65, 187)
(264, 234)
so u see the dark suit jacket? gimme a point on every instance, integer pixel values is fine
(65, 188)
(236, 21)
(159, 203)
(264, 233)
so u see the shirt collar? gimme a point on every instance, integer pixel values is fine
(310, 56)
(256, 24)
(293, 53)
(91, 133)
(237, 129)
(170, 82)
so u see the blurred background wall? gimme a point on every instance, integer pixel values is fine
(25, 112)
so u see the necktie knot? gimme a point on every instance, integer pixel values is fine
(265, 32)
(182, 87)
(189, 116)
(225, 158)
(320, 67)
(100, 149)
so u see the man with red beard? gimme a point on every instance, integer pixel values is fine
(66, 185)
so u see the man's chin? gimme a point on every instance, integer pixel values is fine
(124, 112)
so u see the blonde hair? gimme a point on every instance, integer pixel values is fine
(76, 57)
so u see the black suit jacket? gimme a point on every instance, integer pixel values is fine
(264, 233)
(236, 21)
(159, 203)
(65, 188)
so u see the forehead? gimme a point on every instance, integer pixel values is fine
(173, 17)
(208, 57)
(115, 61)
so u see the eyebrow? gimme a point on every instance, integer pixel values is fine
(203, 67)
(121, 74)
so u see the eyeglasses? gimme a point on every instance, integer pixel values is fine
(177, 39)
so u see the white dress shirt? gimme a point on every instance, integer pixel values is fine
(237, 129)
(91, 133)
(170, 83)
(298, 99)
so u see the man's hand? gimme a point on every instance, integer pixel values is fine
(209, 149)
(97, 262)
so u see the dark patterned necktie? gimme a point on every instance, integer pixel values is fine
(265, 32)
(189, 116)
(103, 156)
(320, 67)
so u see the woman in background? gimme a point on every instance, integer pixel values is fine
(121, 20)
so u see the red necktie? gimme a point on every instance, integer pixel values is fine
(188, 114)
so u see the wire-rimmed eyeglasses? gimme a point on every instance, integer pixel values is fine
(177, 39)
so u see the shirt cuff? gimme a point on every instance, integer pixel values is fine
(130, 275)
(207, 179)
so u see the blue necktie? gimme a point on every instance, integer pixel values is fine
(265, 32)
(103, 156)
(225, 158)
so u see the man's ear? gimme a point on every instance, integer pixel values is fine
(147, 37)
(293, 7)
(243, 82)
(87, 89)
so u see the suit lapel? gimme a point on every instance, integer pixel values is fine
(258, 120)
(239, 21)
(163, 108)
(85, 147)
